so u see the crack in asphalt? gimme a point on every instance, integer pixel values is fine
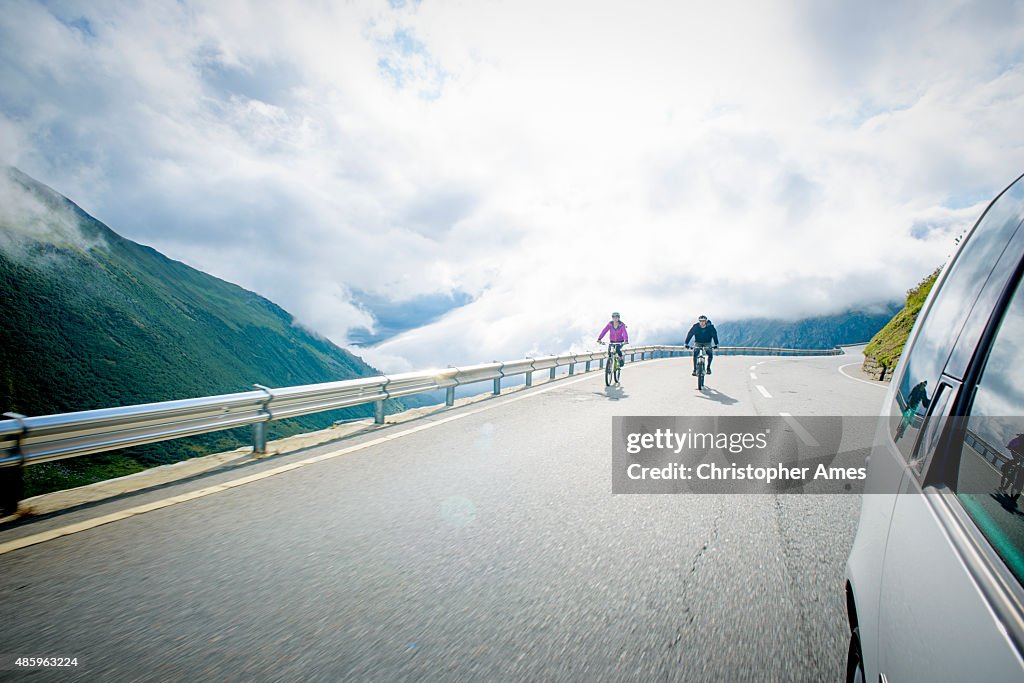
(691, 574)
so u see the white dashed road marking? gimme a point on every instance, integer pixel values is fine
(804, 435)
(764, 392)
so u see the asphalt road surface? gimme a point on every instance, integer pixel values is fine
(479, 544)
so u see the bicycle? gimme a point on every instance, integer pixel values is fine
(613, 365)
(702, 363)
(1012, 480)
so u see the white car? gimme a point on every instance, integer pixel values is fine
(934, 578)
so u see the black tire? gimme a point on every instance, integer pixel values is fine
(618, 373)
(608, 372)
(855, 659)
(700, 379)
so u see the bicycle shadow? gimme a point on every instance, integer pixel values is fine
(615, 393)
(711, 394)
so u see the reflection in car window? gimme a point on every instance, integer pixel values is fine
(990, 477)
(945, 318)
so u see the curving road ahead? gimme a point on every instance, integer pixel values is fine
(481, 543)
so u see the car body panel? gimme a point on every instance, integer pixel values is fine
(924, 611)
(954, 635)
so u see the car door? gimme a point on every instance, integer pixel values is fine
(949, 329)
(951, 600)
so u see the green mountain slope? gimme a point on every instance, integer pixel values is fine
(885, 348)
(93, 320)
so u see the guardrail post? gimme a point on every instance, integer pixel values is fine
(12, 479)
(572, 367)
(449, 393)
(586, 368)
(259, 438)
(632, 357)
(497, 380)
(378, 412)
(259, 429)
(552, 376)
(529, 378)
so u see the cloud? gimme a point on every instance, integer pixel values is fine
(28, 218)
(544, 163)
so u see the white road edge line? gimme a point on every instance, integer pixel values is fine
(85, 525)
(804, 435)
(857, 379)
(764, 392)
(753, 376)
(753, 367)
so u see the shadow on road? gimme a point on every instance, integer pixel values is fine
(615, 393)
(710, 394)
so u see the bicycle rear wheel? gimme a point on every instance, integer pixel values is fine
(618, 372)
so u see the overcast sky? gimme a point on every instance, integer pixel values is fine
(368, 165)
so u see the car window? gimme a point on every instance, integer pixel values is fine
(945, 317)
(990, 472)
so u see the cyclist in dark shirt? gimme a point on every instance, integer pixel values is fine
(1012, 479)
(703, 334)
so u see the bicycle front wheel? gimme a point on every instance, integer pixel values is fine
(608, 372)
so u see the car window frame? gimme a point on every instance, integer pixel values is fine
(908, 452)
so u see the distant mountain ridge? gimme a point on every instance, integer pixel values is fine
(819, 332)
(855, 326)
(94, 320)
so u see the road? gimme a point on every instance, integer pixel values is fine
(481, 543)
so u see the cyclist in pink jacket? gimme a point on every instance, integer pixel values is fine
(617, 335)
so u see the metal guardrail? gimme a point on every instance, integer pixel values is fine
(989, 453)
(32, 440)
